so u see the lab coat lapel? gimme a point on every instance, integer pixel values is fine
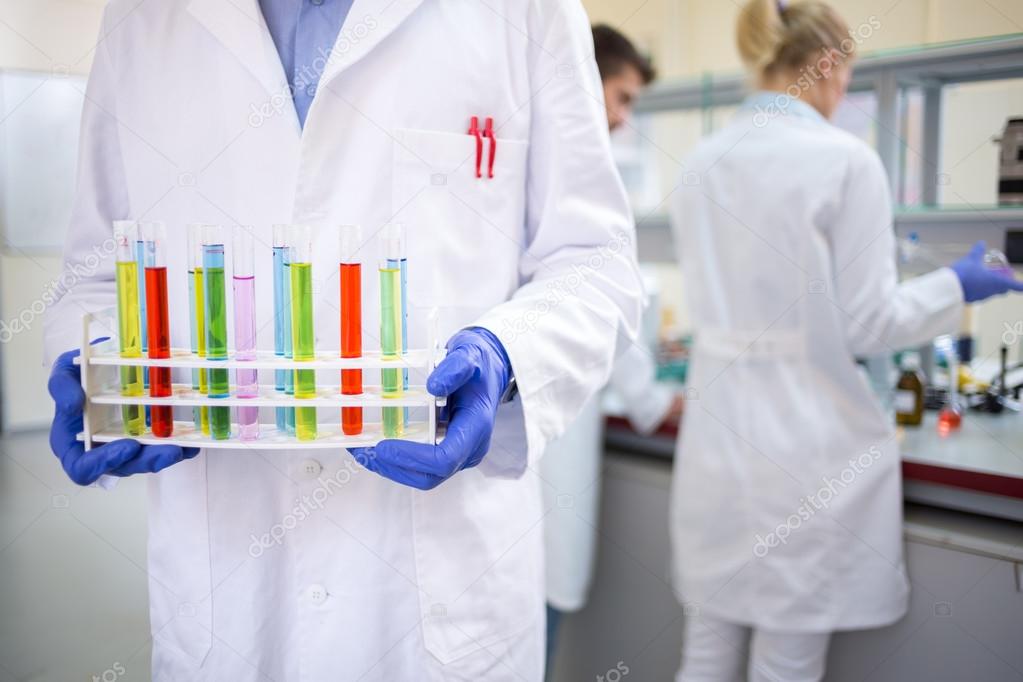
(368, 23)
(239, 26)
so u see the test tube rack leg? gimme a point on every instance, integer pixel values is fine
(101, 422)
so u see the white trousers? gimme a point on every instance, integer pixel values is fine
(716, 651)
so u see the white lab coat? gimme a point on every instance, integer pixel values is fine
(787, 500)
(188, 118)
(570, 474)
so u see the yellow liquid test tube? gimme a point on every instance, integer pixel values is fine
(198, 322)
(302, 329)
(129, 329)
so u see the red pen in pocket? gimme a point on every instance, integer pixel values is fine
(488, 131)
(474, 130)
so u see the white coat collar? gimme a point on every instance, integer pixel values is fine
(767, 103)
(239, 26)
(368, 23)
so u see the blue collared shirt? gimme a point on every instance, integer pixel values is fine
(304, 32)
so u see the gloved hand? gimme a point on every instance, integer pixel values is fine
(473, 376)
(118, 458)
(980, 282)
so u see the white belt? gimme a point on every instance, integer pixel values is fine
(731, 345)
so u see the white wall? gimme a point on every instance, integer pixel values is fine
(53, 37)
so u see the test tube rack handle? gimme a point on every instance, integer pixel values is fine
(99, 364)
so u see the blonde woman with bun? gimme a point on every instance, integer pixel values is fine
(787, 501)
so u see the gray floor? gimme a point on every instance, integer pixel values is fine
(72, 576)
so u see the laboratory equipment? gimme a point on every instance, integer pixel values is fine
(244, 279)
(140, 259)
(196, 238)
(909, 392)
(391, 327)
(215, 315)
(402, 264)
(997, 261)
(128, 324)
(158, 325)
(351, 322)
(302, 331)
(1010, 171)
(283, 379)
(950, 417)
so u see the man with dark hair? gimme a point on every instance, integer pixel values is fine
(571, 464)
(623, 70)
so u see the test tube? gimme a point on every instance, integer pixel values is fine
(244, 279)
(289, 349)
(284, 380)
(302, 333)
(140, 250)
(216, 326)
(195, 256)
(158, 325)
(391, 326)
(193, 241)
(128, 325)
(351, 323)
(402, 264)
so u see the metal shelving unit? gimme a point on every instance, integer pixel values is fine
(890, 75)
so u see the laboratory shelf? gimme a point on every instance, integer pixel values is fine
(326, 396)
(940, 63)
(959, 215)
(329, 436)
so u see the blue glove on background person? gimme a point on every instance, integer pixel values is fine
(473, 376)
(978, 280)
(118, 458)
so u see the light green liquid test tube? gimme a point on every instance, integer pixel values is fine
(216, 327)
(129, 325)
(391, 326)
(302, 331)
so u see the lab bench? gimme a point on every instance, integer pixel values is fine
(978, 469)
(966, 570)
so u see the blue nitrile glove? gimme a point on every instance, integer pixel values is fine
(118, 458)
(473, 376)
(979, 281)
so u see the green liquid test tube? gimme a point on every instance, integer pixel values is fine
(215, 315)
(302, 330)
(128, 325)
(391, 327)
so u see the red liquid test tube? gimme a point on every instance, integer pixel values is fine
(351, 324)
(158, 325)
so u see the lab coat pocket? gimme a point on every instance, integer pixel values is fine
(474, 225)
(478, 547)
(180, 577)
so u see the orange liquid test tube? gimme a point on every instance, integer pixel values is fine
(351, 324)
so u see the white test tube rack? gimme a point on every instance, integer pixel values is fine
(102, 415)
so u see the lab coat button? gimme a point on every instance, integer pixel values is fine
(310, 468)
(317, 594)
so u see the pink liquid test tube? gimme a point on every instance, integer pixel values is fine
(244, 279)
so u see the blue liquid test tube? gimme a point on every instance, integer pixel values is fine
(284, 309)
(281, 325)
